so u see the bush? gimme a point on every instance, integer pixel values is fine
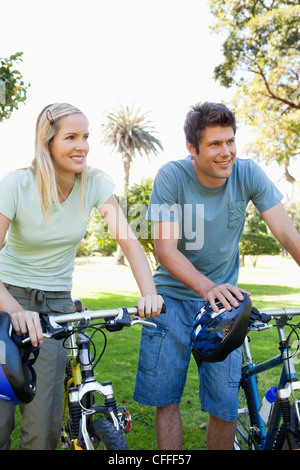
(97, 238)
(12, 88)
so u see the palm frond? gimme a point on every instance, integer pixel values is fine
(130, 132)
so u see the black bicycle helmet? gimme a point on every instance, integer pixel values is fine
(215, 335)
(17, 376)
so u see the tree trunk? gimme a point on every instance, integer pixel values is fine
(120, 260)
(126, 166)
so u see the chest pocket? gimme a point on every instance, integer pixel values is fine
(236, 214)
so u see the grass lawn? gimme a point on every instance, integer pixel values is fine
(274, 283)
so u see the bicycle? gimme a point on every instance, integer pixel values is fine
(86, 423)
(281, 430)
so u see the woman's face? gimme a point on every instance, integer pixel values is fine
(69, 147)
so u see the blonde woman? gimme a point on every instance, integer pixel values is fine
(44, 211)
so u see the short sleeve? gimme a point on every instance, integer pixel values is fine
(100, 188)
(262, 190)
(9, 194)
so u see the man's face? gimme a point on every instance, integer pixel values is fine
(217, 153)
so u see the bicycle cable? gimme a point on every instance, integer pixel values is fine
(80, 329)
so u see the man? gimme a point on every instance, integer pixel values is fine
(198, 208)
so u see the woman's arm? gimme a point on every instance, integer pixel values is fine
(150, 303)
(23, 321)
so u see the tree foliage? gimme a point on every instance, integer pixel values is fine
(130, 133)
(134, 205)
(262, 58)
(138, 197)
(12, 88)
(256, 239)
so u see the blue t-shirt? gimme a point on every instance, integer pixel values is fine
(211, 221)
(37, 254)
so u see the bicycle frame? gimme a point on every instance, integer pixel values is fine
(288, 383)
(81, 385)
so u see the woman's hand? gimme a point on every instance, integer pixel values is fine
(27, 322)
(150, 305)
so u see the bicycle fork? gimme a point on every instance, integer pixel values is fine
(81, 411)
(80, 390)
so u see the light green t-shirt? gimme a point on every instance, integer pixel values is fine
(37, 254)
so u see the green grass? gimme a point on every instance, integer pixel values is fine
(274, 283)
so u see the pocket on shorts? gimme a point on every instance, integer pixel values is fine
(235, 364)
(151, 343)
(60, 306)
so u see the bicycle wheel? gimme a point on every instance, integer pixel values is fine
(289, 440)
(243, 424)
(105, 431)
(246, 436)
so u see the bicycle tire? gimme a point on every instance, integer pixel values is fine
(246, 420)
(105, 431)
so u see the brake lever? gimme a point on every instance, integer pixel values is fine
(143, 322)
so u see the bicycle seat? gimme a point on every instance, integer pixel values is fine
(17, 376)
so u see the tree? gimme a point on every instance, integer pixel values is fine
(261, 58)
(135, 205)
(131, 134)
(256, 239)
(97, 238)
(138, 197)
(12, 88)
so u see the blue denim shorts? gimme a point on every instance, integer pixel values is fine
(165, 354)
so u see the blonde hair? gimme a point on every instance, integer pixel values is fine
(47, 125)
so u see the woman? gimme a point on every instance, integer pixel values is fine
(45, 209)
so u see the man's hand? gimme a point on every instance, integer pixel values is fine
(227, 294)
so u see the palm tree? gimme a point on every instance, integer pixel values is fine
(130, 133)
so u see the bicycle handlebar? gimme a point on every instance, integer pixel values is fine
(282, 312)
(88, 315)
(115, 319)
(259, 319)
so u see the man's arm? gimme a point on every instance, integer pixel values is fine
(283, 229)
(166, 238)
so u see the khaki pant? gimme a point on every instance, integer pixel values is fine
(42, 418)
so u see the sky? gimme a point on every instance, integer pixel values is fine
(156, 55)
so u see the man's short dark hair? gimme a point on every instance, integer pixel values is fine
(204, 115)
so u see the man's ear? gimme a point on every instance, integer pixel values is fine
(191, 149)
